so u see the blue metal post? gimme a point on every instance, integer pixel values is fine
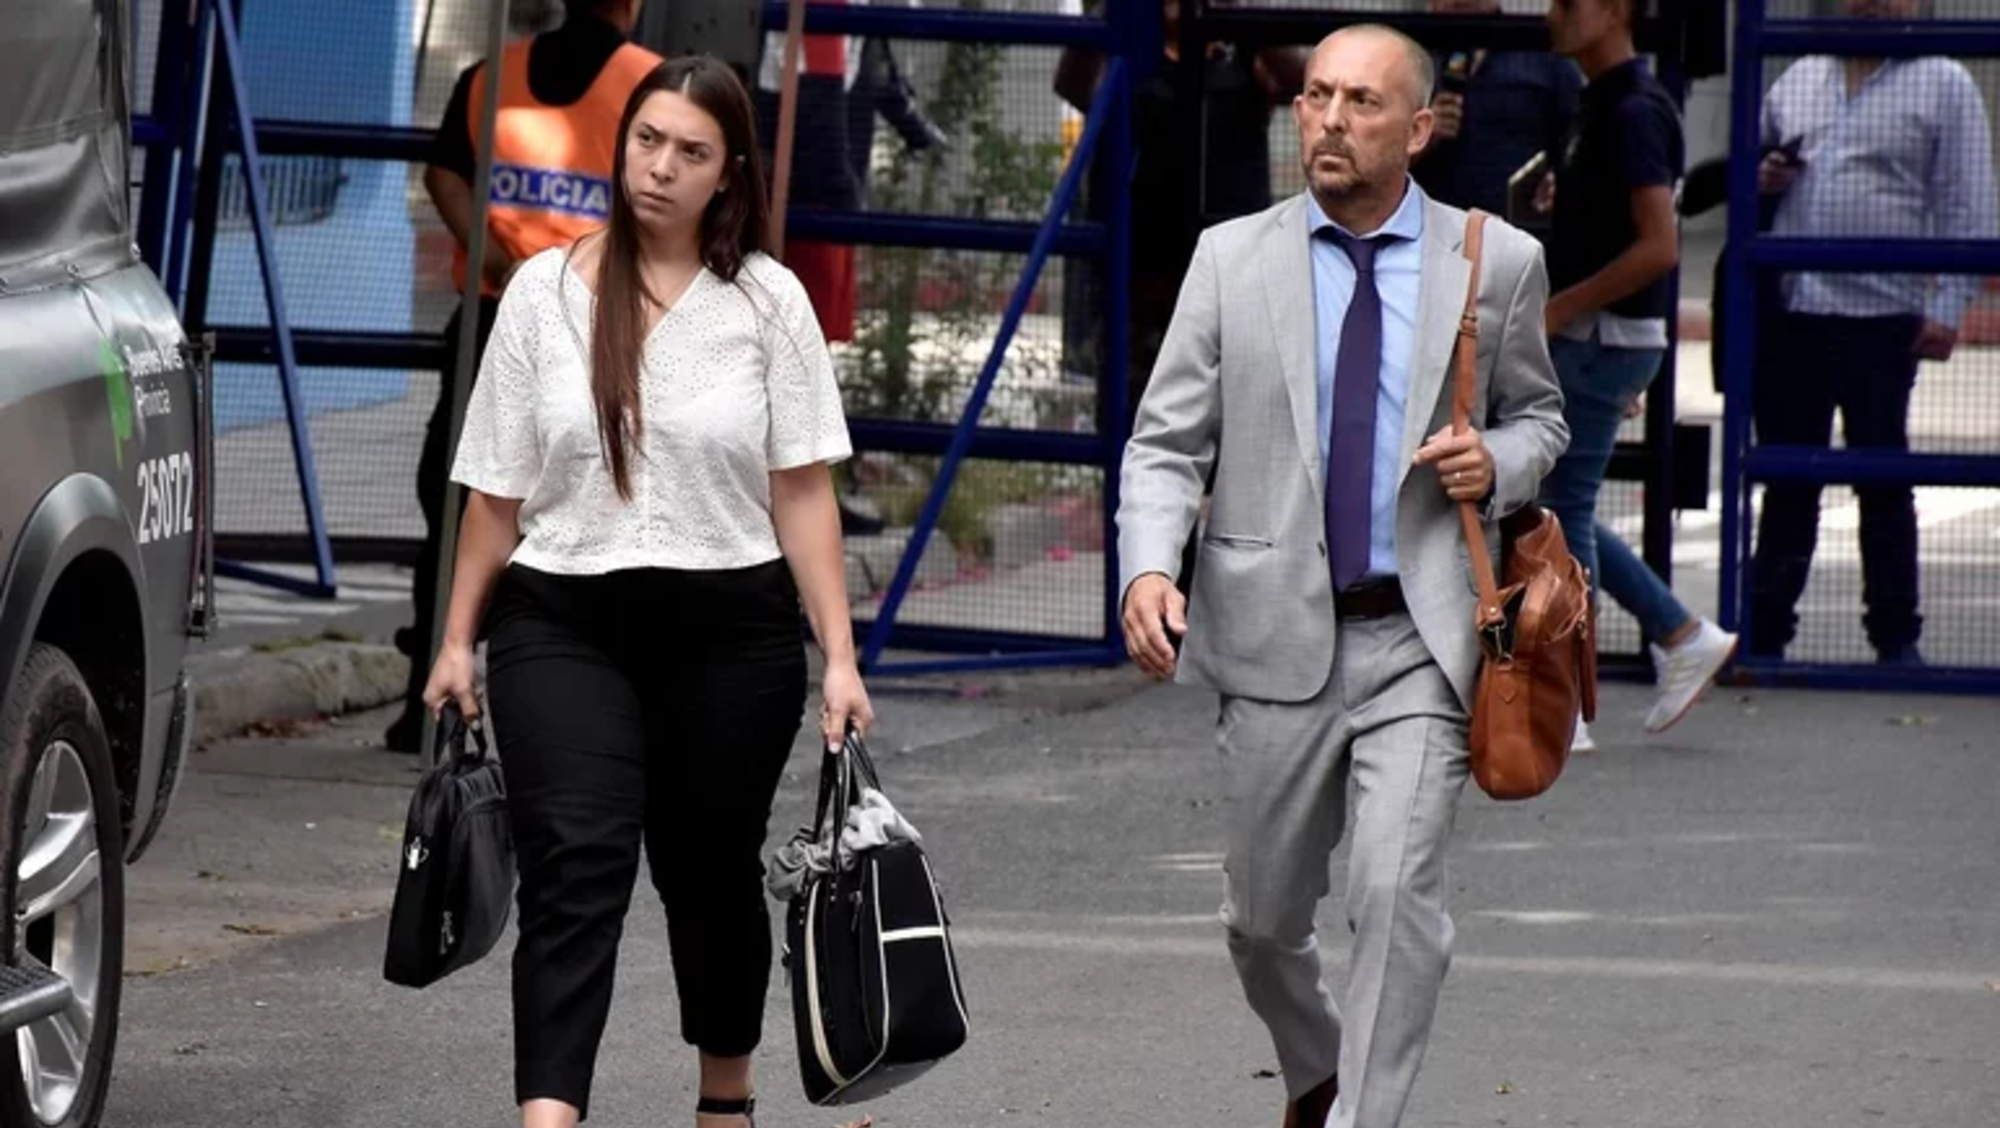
(1138, 28)
(172, 136)
(193, 136)
(1113, 382)
(1740, 350)
(1895, 39)
(941, 25)
(168, 104)
(906, 570)
(274, 300)
(199, 208)
(1656, 541)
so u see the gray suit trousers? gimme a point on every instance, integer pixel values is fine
(1389, 724)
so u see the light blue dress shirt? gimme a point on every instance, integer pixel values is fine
(1907, 156)
(1398, 271)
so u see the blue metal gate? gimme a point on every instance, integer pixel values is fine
(986, 619)
(205, 145)
(1961, 453)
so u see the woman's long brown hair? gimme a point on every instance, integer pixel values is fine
(732, 228)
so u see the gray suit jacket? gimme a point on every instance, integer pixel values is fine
(1235, 390)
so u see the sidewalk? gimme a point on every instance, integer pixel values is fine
(1778, 915)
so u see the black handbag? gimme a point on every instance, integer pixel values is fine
(455, 882)
(875, 987)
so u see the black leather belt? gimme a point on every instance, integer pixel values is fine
(1370, 599)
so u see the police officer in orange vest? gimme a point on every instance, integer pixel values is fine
(561, 95)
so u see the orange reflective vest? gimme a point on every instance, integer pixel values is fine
(551, 164)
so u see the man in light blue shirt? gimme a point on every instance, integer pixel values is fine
(1398, 270)
(1884, 149)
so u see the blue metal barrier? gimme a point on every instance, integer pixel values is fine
(178, 231)
(1748, 250)
(1130, 36)
(236, 99)
(200, 114)
(1110, 96)
(1024, 29)
(193, 127)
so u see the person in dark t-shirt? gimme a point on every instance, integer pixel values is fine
(1613, 241)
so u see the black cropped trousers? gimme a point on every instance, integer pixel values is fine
(645, 707)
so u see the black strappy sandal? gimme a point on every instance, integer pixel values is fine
(726, 1106)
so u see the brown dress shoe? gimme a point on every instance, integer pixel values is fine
(1310, 1110)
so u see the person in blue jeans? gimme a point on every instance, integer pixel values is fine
(1613, 240)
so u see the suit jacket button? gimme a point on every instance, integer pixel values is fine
(1322, 548)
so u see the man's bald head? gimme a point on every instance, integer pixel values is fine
(1363, 116)
(1421, 72)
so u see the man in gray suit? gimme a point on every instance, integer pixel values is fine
(1307, 363)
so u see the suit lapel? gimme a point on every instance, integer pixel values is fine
(1440, 299)
(1288, 295)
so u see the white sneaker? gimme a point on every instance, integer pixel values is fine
(1686, 671)
(1581, 742)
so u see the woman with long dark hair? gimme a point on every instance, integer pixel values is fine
(646, 453)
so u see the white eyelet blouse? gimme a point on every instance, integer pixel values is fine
(735, 382)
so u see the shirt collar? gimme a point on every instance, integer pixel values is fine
(1406, 223)
(1836, 73)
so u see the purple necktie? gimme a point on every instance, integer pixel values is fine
(1350, 461)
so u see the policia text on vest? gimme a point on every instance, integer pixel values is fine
(552, 189)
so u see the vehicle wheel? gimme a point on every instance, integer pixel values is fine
(62, 872)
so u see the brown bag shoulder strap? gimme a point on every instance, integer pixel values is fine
(1464, 382)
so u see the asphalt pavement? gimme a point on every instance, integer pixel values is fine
(1781, 915)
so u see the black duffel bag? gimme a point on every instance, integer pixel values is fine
(455, 881)
(875, 988)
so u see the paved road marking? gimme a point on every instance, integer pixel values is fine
(1100, 943)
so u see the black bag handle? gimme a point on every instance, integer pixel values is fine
(832, 778)
(857, 751)
(451, 742)
(844, 772)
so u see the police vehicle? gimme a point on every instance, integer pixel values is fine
(104, 575)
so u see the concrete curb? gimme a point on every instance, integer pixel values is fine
(244, 686)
